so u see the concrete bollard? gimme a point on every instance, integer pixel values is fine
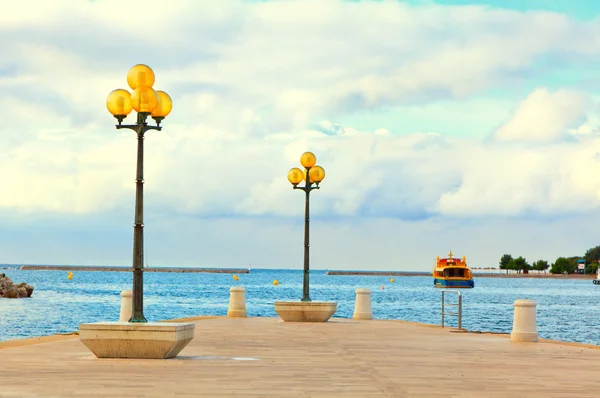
(237, 302)
(362, 307)
(524, 322)
(126, 305)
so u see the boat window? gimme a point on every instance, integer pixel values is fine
(454, 273)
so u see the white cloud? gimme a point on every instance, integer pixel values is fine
(585, 130)
(545, 117)
(296, 60)
(207, 171)
(523, 180)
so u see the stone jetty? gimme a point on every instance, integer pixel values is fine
(129, 269)
(379, 273)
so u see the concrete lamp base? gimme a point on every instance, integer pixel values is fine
(150, 340)
(310, 311)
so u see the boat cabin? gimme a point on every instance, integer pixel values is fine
(453, 272)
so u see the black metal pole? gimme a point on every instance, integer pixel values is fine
(305, 285)
(140, 128)
(138, 229)
(305, 291)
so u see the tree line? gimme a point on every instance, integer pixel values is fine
(559, 266)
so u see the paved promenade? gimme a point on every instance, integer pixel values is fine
(264, 357)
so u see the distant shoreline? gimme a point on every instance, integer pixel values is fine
(551, 276)
(475, 274)
(129, 269)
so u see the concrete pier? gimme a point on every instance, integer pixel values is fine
(257, 357)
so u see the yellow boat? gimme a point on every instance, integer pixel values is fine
(452, 272)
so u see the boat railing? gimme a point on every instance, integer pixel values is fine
(458, 304)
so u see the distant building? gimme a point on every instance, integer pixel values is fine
(581, 266)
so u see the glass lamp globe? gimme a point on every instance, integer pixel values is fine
(308, 159)
(140, 75)
(295, 176)
(144, 99)
(316, 174)
(118, 103)
(165, 104)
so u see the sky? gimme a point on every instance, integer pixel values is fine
(441, 125)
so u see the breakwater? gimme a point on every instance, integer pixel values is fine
(379, 273)
(129, 269)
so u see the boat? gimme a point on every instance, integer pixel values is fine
(452, 272)
(597, 280)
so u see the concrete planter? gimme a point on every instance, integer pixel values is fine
(299, 311)
(151, 340)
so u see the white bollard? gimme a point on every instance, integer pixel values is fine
(362, 307)
(237, 302)
(126, 305)
(524, 322)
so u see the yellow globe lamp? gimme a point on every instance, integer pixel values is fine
(140, 75)
(118, 103)
(308, 159)
(144, 100)
(165, 104)
(295, 175)
(316, 174)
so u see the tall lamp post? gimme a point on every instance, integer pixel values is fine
(146, 102)
(311, 175)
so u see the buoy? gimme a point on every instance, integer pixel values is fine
(275, 282)
(235, 277)
(392, 280)
(382, 287)
(70, 276)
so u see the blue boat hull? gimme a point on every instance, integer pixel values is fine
(453, 283)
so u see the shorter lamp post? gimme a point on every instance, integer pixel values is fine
(146, 102)
(312, 174)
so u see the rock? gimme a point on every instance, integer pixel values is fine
(28, 288)
(9, 290)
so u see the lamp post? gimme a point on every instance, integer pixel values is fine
(146, 102)
(311, 175)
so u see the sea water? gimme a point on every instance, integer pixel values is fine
(567, 309)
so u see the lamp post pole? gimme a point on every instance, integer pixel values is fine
(306, 188)
(138, 228)
(312, 175)
(146, 102)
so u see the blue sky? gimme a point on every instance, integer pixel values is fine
(581, 9)
(440, 126)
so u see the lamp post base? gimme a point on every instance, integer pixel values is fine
(151, 340)
(303, 311)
